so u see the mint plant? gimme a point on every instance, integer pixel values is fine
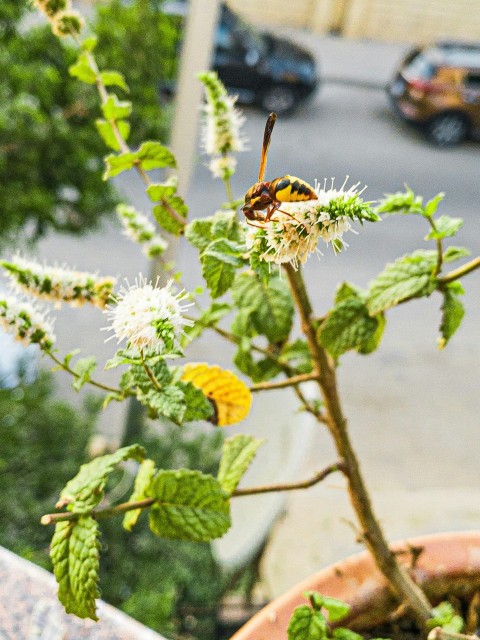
(253, 273)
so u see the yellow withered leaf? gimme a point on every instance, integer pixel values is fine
(231, 396)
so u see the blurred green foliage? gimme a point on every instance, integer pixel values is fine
(50, 152)
(139, 40)
(171, 586)
(44, 440)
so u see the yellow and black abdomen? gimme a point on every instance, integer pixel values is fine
(291, 189)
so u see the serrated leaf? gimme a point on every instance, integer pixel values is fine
(444, 615)
(259, 370)
(455, 253)
(346, 290)
(105, 129)
(114, 78)
(168, 402)
(85, 490)
(269, 304)
(452, 315)
(307, 624)
(171, 214)
(154, 155)
(115, 109)
(141, 487)
(225, 250)
(401, 202)
(83, 370)
(199, 233)
(75, 558)
(231, 396)
(348, 326)
(297, 355)
(445, 227)
(411, 276)
(83, 69)
(237, 455)
(198, 406)
(115, 164)
(218, 274)
(225, 225)
(431, 207)
(189, 506)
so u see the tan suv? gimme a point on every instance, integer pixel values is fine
(438, 88)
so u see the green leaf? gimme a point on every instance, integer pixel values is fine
(143, 481)
(444, 616)
(89, 43)
(85, 490)
(199, 233)
(350, 326)
(115, 109)
(297, 355)
(209, 318)
(341, 633)
(105, 129)
(160, 190)
(410, 276)
(168, 402)
(432, 205)
(75, 556)
(337, 609)
(237, 455)
(307, 624)
(114, 78)
(452, 314)
(445, 228)
(218, 274)
(83, 371)
(189, 506)
(83, 69)
(257, 370)
(198, 406)
(171, 214)
(154, 155)
(401, 202)
(269, 305)
(455, 253)
(118, 163)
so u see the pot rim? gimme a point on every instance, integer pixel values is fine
(448, 562)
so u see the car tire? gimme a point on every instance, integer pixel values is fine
(281, 98)
(448, 129)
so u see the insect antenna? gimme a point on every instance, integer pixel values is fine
(272, 118)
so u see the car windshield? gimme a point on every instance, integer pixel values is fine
(248, 35)
(420, 68)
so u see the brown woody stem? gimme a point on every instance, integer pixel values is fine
(108, 512)
(281, 384)
(401, 582)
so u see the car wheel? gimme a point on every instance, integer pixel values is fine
(280, 98)
(447, 129)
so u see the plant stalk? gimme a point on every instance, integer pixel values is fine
(373, 536)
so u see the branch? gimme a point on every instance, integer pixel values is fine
(288, 382)
(293, 486)
(66, 368)
(461, 271)
(98, 514)
(441, 634)
(107, 512)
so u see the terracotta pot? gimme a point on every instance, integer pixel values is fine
(449, 563)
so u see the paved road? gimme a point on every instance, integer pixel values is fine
(413, 410)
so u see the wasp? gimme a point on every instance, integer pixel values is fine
(270, 195)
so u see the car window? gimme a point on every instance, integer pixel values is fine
(472, 80)
(420, 68)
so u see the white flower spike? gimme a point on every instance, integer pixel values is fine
(28, 324)
(297, 227)
(149, 317)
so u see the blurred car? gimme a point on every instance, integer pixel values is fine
(438, 88)
(260, 68)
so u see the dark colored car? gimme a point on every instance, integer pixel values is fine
(260, 68)
(438, 88)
